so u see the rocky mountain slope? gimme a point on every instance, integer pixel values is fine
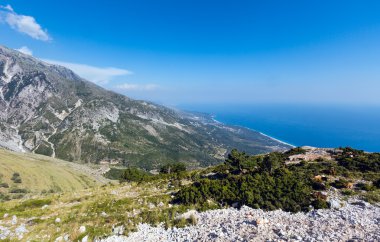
(356, 221)
(48, 109)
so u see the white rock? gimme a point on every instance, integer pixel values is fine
(161, 204)
(118, 230)
(234, 225)
(336, 203)
(20, 230)
(82, 229)
(57, 220)
(66, 238)
(14, 220)
(60, 238)
(187, 215)
(85, 238)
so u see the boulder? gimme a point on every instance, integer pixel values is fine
(82, 229)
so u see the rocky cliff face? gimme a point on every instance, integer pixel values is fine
(48, 109)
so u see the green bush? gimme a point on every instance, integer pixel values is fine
(16, 178)
(365, 186)
(173, 168)
(357, 160)
(4, 185)
(114, 173)
(295, 151)
(319, 186)
(18, 196)
(18, 190)
(135, 175)
(4, 197)
(377, 183)
(320, 204)
(341, 183)
(270, 187)
(265, 181)
(347, 192)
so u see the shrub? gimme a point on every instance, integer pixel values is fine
(193, 219)
(319, 186)
(4, 197)
(16, 178)
(284, 190)
(135, 175)
(377, 183)
(173, 168)
(365, 186)
(114, 173)
(295, 151)
(18, 196)
(4, 185)
(18, 190)
(357, 160)
(320, 204)
(341, 183)
(348, 192)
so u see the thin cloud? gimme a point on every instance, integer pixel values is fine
(98, 75)
(137, 87)
(22, 23)
(7, 7)
(25, 50)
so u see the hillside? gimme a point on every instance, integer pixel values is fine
(49, 110)
(26, 175)
(200, 205)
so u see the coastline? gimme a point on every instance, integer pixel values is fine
(282, 142)
(213, 117)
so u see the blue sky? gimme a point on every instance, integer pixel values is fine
(209, 52)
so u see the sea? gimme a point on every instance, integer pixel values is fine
(300, 125)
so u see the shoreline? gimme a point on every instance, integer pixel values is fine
(280, 141)
(213, 117)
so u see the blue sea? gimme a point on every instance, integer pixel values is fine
(319, 126)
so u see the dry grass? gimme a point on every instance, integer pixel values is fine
(99, 209)
(40, 173)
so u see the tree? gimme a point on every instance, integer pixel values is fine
(173, 168)
(236, 159)
(271, 162)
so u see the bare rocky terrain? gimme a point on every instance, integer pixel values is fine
(355, 221)
(48, 109)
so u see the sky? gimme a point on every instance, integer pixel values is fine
(208, 52)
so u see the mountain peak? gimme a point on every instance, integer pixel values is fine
(48, 109)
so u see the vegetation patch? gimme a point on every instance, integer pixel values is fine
(267, 182)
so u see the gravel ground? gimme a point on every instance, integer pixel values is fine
(356, 221)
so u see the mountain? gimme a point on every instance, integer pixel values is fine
(50, 110)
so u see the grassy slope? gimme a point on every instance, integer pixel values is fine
(99, 209)
(40, 173)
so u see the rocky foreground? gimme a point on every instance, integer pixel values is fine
(355, 221)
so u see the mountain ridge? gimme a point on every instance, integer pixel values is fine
(48, 109)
